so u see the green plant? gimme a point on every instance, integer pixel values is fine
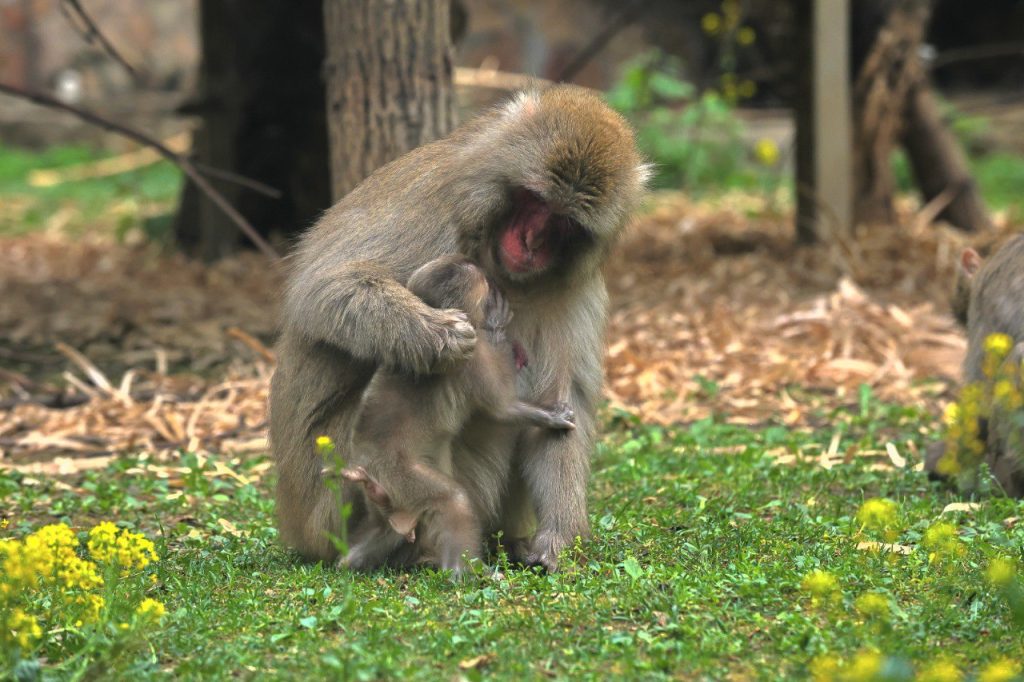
(694, 139)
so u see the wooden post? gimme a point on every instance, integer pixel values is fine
(824, 158)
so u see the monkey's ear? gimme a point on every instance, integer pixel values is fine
(404, 523)
(375, 491)
(970, 261)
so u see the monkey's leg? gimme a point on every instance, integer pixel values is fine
(459, 536)
(556, 468)
(560, 417)
(360, 308)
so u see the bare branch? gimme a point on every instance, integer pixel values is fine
(186, 166)
(240, 180)
(92, 34)
(623, 18)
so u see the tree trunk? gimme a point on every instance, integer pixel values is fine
(389, 82)
(888, 66)
(261, 100)
(939, 164)
(893, 104)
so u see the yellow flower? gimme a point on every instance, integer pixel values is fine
(93, 607)
(766, 151)
(711, 23)
(819, 582)
(324, 442)
(79, 573)
(866, 665)
(824, 668)
(1001, 572)
(151, 609)
(943, 541)
(1003, 670)
(940, 671)
(746, 36)
(747, 89)
(4, 523)
(873, 605)
(951, 415)
(878, 513)
(998, 344)
(22, 629)
(822, 586)
(108, 544)
(731, 13)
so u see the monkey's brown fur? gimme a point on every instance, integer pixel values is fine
(989, 299)
(403, 436)
(536, 192)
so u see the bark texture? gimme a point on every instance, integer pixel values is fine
(389, 82)
(894, 104)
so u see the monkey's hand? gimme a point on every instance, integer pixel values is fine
(454, 339)
(498, 315)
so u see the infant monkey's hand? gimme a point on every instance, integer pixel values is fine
(562, 417)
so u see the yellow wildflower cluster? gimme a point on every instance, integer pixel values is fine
(942, 670)
(863, 667)
(46, 556)
(881, 516)
(822, 586)
(1003, 670)
(109, 544)
(727, 25)
(151, 609)
(21, 629)
(943, 542)
(1000, 395)
(46, 582)
(873, 605)
(868, 665)
(1001, 572)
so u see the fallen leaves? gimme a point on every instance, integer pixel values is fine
(713, 313)
(872, 546)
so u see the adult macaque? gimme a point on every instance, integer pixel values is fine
(403, 435)
(989, 299)
(535, 191)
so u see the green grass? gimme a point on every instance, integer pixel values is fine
(87, 204)
(700, 545)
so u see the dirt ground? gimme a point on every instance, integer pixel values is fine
(109, 347)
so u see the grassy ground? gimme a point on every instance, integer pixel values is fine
(701, 543)
(117, 202)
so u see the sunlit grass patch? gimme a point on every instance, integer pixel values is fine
(709, 559)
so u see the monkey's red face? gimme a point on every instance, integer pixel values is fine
(533, 237)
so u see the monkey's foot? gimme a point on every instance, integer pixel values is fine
(544, 550)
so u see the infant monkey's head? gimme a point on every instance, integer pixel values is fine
(457, 282)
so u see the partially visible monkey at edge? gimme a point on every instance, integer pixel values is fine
(536, 191)
(402, 442)
(989, 299)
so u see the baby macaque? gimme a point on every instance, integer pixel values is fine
(406, 423)
(989, 299)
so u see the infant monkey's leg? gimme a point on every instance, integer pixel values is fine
(417, 495)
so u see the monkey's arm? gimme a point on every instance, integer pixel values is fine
(360, 308)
